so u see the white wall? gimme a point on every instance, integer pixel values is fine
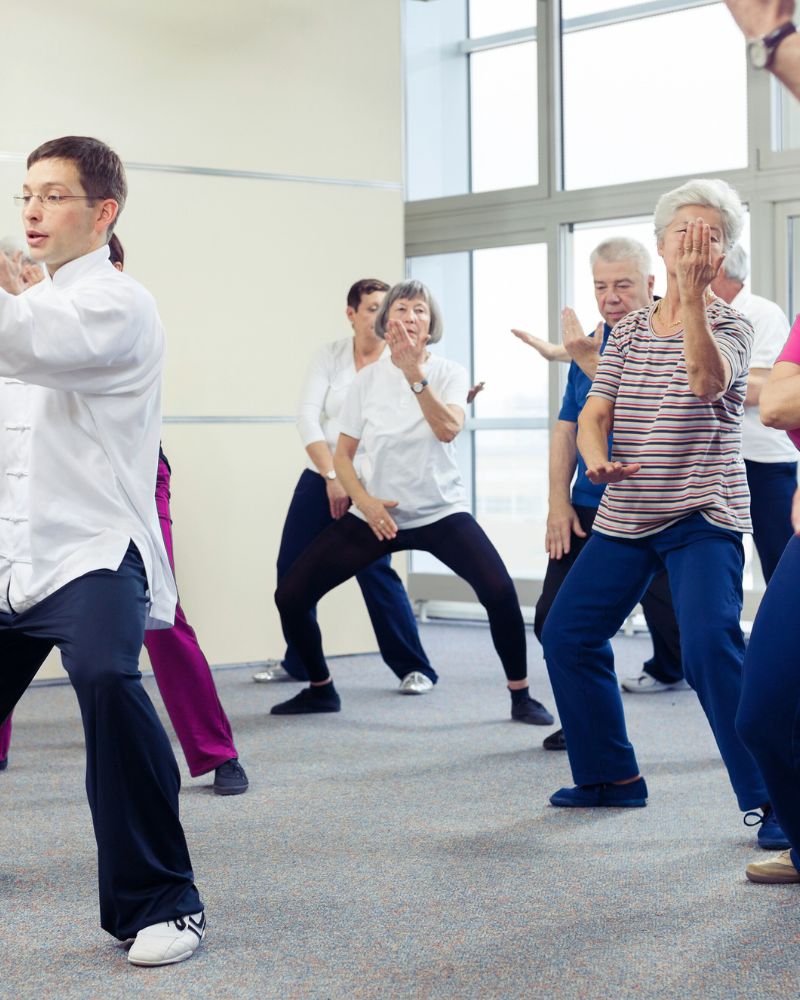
(250, 272)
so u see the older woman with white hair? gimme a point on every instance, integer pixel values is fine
(671, 385)
(406, 415)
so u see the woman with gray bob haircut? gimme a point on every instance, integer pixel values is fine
(405, 412)
(412, 290)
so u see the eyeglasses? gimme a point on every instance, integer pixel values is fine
(48, 201)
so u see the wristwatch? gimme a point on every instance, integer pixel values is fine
(331, 475)
(417, 387)
(761, 51)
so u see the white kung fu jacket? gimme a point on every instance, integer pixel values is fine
(80, 420)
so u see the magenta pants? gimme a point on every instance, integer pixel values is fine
(182, 674)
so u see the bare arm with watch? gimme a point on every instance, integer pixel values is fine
(772, 40)
(320, 455)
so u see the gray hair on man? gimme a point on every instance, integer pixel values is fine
(716, 194)
(736, 265)
(411, 290)
(620, 248)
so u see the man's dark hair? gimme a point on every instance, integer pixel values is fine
(116, 253)
(100, 170)
(364, 287)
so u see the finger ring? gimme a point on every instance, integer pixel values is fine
(381, 523)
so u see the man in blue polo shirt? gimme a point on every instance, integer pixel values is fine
(622, 283)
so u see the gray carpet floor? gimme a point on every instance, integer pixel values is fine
(405, 849)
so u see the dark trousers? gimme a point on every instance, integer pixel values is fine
(705, 564)
(132, 780)
(769, 713)
(348, 546)
(384, 594)
(665, 664)
(772, 486)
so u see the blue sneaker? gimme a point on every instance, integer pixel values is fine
(632, 795)
(770, 835)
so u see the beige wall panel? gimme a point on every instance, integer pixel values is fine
(286, 86)
(249, 277)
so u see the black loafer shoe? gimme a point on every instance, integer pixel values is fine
(555, 741)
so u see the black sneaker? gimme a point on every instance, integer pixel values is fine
(309, 700)
(555, 741)
(230, 779)
(3, 763)
(532, 712)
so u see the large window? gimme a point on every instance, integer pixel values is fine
(555, 125)
(503, 449)
(651, 96)
(471, 96)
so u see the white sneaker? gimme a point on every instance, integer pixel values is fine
(274, 671)
(416, 683)
(173, 941)
(646, 684)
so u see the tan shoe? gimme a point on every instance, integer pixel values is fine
(777, 871)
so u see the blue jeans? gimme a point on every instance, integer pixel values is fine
(704, 564)
(385, 596)
(769, 713)
(772, 486)
(132, 779)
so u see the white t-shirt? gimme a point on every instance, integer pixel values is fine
(771, 328)
(325, 389)
(403, 458)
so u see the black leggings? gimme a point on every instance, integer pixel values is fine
(348, 545)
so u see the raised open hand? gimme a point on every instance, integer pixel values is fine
(550, 352)
(407, 347)
(698, 261)
(473, 392)
(31, 274)
(10, 268)
(580, 347)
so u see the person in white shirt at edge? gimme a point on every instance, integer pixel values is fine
(320, 499)
(406, 414)
(82, 563)
(770, 458)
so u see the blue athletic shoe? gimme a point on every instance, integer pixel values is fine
(770, 835)
(632, 795)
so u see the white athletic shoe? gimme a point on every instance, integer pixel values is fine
(646, 684)
(273, 671)
(170, 942)
(416, 683)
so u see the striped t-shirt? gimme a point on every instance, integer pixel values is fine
(689, 451)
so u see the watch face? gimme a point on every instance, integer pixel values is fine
(758, 53)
